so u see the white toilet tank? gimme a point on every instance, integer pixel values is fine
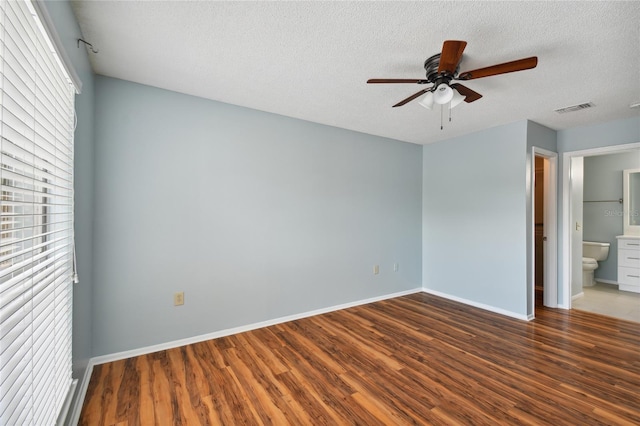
(595, 250)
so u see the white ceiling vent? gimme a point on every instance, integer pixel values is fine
(574, 108)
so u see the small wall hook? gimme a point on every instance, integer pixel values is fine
(94, 50)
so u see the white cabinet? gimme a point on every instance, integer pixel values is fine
(629, 263)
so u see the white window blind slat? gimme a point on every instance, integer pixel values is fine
(23, 247)
(13, 141)
(18, 165)
(17, 84)
(16, 103)
(53, 85)
(13, 121)
(36, 226)
(13, 147)
(15, 310)
(14, 74)
(16, 49)
(13, 356)
(18, 397)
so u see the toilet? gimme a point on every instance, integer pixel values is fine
(592, 252)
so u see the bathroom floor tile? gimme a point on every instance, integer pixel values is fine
(606, 299)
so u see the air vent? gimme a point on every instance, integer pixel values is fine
(573, 108)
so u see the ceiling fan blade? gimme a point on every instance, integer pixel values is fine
(519, 65)
(451, 55)
(395, 80)
(410, 98)
(469, 94)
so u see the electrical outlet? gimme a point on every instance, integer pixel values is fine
(376, 269)
(396, 267)
(178, 298)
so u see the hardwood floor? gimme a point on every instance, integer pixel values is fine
(417, 359)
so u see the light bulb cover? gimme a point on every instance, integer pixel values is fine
(427, 100)
(443, 94)
(457, 99)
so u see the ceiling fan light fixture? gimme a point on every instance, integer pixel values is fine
(443, 94)
(457, 99)
(427, 100)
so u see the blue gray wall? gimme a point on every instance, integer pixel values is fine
(474, 218)
(540, 136)
(617, 132)
(254, 216)
(603, 221)
(68, 30)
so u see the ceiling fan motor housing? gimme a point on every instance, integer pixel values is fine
(431, 67)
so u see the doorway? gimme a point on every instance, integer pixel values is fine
(540, 164)
(571, 254)
(543, 234)
(596, 216)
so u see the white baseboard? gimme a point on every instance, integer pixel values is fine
(62, 417)
(479, 305)
(612, 282)
(577, 296)
(74, 418)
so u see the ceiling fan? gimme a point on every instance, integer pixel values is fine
(442, 69)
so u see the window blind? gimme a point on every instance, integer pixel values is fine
(36, 226)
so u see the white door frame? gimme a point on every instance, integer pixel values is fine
(550, 230)
(565, 257)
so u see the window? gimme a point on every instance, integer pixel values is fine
(36, 222)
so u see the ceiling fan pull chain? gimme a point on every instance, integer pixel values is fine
(450, 112)
(441, 115)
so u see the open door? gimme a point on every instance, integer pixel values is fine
(544, 277)
(538, 225)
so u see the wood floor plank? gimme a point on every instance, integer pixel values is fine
(417, 359)
(259, 392)
(308, 398)
(147, 405)
(128, 398)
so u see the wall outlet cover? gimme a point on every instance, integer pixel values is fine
(178, 298)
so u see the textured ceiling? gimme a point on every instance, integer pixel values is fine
(310, 60)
